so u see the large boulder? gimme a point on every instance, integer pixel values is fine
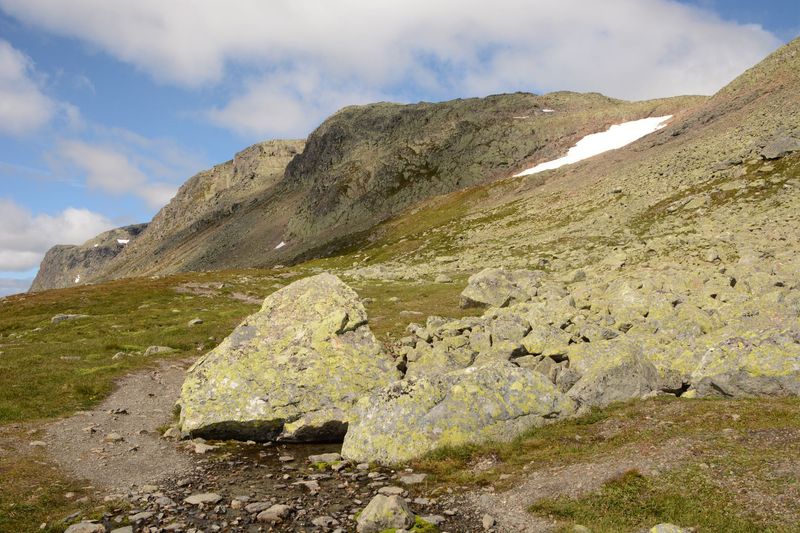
(750, 364)
(497, 287)
(611, 371)
(407, 419)
(291, 371)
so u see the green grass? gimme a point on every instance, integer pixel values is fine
(633, 502)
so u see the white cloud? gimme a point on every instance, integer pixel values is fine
(25, 237)
(125, 163)
(351, 49)
(23, 107)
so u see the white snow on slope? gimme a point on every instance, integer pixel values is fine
(280, 245)
(614, 137)
(123, 241)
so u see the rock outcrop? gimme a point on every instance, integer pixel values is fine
(407, 419)
(292, 371)
(69, 265)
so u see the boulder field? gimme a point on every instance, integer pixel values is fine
(307, 367)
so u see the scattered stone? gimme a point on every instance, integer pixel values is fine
(195, 322)
(126, 529)
(488, 522)
(669, 528)
(412, 479)
(325, 521)
(86, 527)
(158, 350)
(201, 447)
(113, 438)
(325, 458)
(65, 317)
(780, 147)
(274, 514)
(37, 444)
(206, 498)
(139, 517)
(390, 490)
(385, 512)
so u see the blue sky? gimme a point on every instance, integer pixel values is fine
(107, 107)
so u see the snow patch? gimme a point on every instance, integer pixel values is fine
(96, 245)
(280, 245)
(123, 241)
(614, 137)
(548, 110)
(78, 278)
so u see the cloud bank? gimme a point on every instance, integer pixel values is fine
(23, 107)
(25, 237)
(302, 59)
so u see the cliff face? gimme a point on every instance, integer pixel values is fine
(69, 265)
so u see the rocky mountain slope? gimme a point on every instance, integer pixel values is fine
(361, 166)
(70, 265)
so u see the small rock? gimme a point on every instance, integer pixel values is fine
(138, 517)
(442, 278)
(126, 529)
(412, 479)
(487, 521)
(385, 512)
(389, 491)
(325, 458)
(37, 444)
(195, 322)
(155, 350)
(276, 513)
(113, 437)
(204, 498)
(86, 527)
(257, 507)
(668, 528)
(286, 458)
(201, 448)
(172, 433)
(325, 521)
(64, 317)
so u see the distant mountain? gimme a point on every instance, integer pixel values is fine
(361, 166)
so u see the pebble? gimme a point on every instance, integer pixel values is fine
(38, 444)
(488, 521)
(204, 498)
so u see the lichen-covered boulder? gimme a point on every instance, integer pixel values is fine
(385, 513)
(291, 371)
(611, 371)
(750, 363)
(497, 287)
(496, 401)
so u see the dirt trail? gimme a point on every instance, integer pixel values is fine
(140, 404)
(509, 508)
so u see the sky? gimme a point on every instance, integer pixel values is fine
(107, 107)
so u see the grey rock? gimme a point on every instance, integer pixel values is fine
(780, 147)
(206, 498)
(496, 401)
(292, 371)
(86, 527)
(157, 350)
(66, 317)
(385, 512)
(274, 514)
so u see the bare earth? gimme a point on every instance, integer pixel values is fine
(141, 403)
